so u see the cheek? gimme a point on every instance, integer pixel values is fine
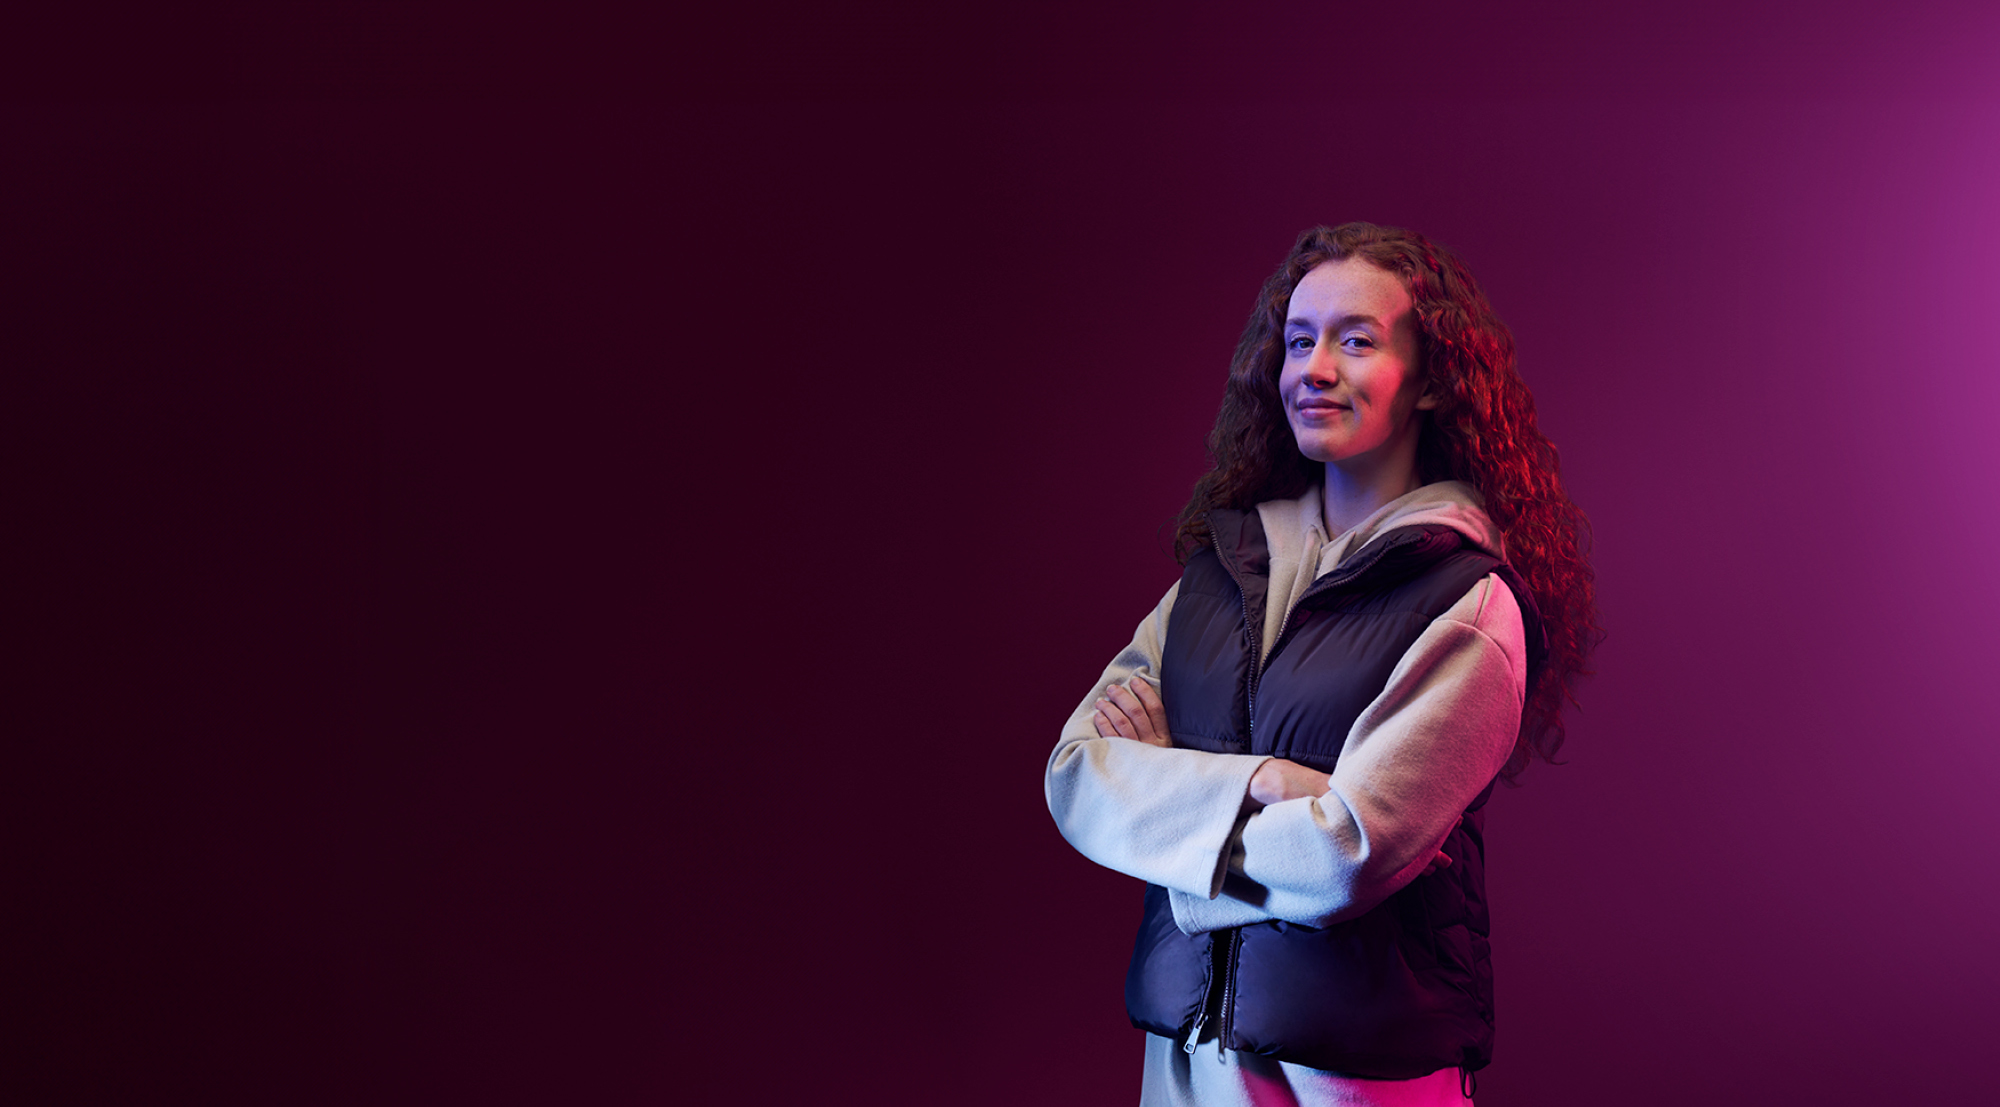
(1287, 381)
(1403, 400)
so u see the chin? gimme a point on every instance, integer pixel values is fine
(1317, 452)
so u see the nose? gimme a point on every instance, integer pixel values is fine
(1321, 370)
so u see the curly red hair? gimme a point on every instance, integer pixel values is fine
(1482, 432)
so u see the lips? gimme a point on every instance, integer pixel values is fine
(1319, 406)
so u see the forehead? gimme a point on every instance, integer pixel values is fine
(1349, 286)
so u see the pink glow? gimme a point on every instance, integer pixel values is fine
(547, 572)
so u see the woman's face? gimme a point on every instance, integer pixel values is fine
(1350, 384)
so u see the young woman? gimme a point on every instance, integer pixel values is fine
(1383, 608)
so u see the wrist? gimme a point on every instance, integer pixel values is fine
(1278, 780)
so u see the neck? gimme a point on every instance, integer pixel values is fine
(1351, 493)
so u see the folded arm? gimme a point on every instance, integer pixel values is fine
(1164, 815)
(1425, 748)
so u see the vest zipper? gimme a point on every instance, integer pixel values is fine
(1228, 1012)
(1224, 975)
(1220, 995)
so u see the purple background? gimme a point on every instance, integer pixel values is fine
(550, 553)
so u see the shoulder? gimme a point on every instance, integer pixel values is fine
(1490, 610)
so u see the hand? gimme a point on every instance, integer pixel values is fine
(1135, 712)
(1278, 780)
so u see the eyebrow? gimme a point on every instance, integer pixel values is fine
(1340, 323)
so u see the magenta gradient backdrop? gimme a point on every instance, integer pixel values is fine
(549, 572)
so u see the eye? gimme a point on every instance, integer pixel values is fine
(1299, 343)
(1358, 342)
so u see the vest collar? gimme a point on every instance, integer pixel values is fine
(1393, 555)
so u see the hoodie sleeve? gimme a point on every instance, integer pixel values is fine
(1424, 749)
(1166, 816)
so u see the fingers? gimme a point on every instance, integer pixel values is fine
(1129, 704)
(1156, 710)
(1112, 722)
(1147, 728)
(1133, 712)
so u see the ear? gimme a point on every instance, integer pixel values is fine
(1427, 400)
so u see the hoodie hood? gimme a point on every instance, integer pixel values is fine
(1302, 551)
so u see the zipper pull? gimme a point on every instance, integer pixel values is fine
(1195, 1034)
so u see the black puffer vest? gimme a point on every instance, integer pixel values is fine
(1406, 988)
